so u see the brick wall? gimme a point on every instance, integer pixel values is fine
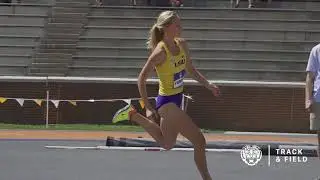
(239, 108)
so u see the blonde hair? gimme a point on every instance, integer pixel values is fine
(157, 31)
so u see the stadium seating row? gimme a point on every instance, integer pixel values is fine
(226, 44)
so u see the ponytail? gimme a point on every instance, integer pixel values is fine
(156, 33)
(155, 36)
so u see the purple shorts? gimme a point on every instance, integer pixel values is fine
(176, 99)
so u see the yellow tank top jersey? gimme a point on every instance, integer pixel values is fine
(171, 72)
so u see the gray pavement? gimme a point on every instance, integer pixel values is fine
(30, 160)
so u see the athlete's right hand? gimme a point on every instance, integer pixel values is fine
(309, 105)
(152, 114)
(215, 90)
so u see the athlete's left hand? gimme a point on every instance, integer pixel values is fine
(214, 89)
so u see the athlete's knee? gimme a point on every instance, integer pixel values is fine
(168, 145)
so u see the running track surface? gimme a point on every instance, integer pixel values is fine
(30, 160)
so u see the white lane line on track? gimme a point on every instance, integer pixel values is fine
(137, 148)
(268, 133)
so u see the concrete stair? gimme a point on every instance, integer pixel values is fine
(197, 52)
(211, 73)
(210, 33)
(281, 4)
(64, 27)
(152, 12)
(19, 29)
(20, 34)
(209, 22)
(225, 44)
(31, 9)
(105, 41)
(262, 64)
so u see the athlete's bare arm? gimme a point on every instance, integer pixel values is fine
(195, 74)
(157, 57)
(308, 89)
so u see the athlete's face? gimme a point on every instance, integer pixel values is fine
(175, 27)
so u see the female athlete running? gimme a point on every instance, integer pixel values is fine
(170, 57)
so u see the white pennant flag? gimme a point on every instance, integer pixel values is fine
(20, 101)
(55, 102)
(128, 101)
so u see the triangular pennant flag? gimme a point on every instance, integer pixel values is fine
(2, 99)
(55, 102)
(73, 102)
(141, 103)
(128, 101)
(38, 101)
(20, 101)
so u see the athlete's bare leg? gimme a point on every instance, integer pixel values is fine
(173, 121)
(165, 134)
(184, 125)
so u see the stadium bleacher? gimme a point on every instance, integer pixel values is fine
(282, 4)
(232, 44)
(20, 31)
(67, 38)
(270, 45)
